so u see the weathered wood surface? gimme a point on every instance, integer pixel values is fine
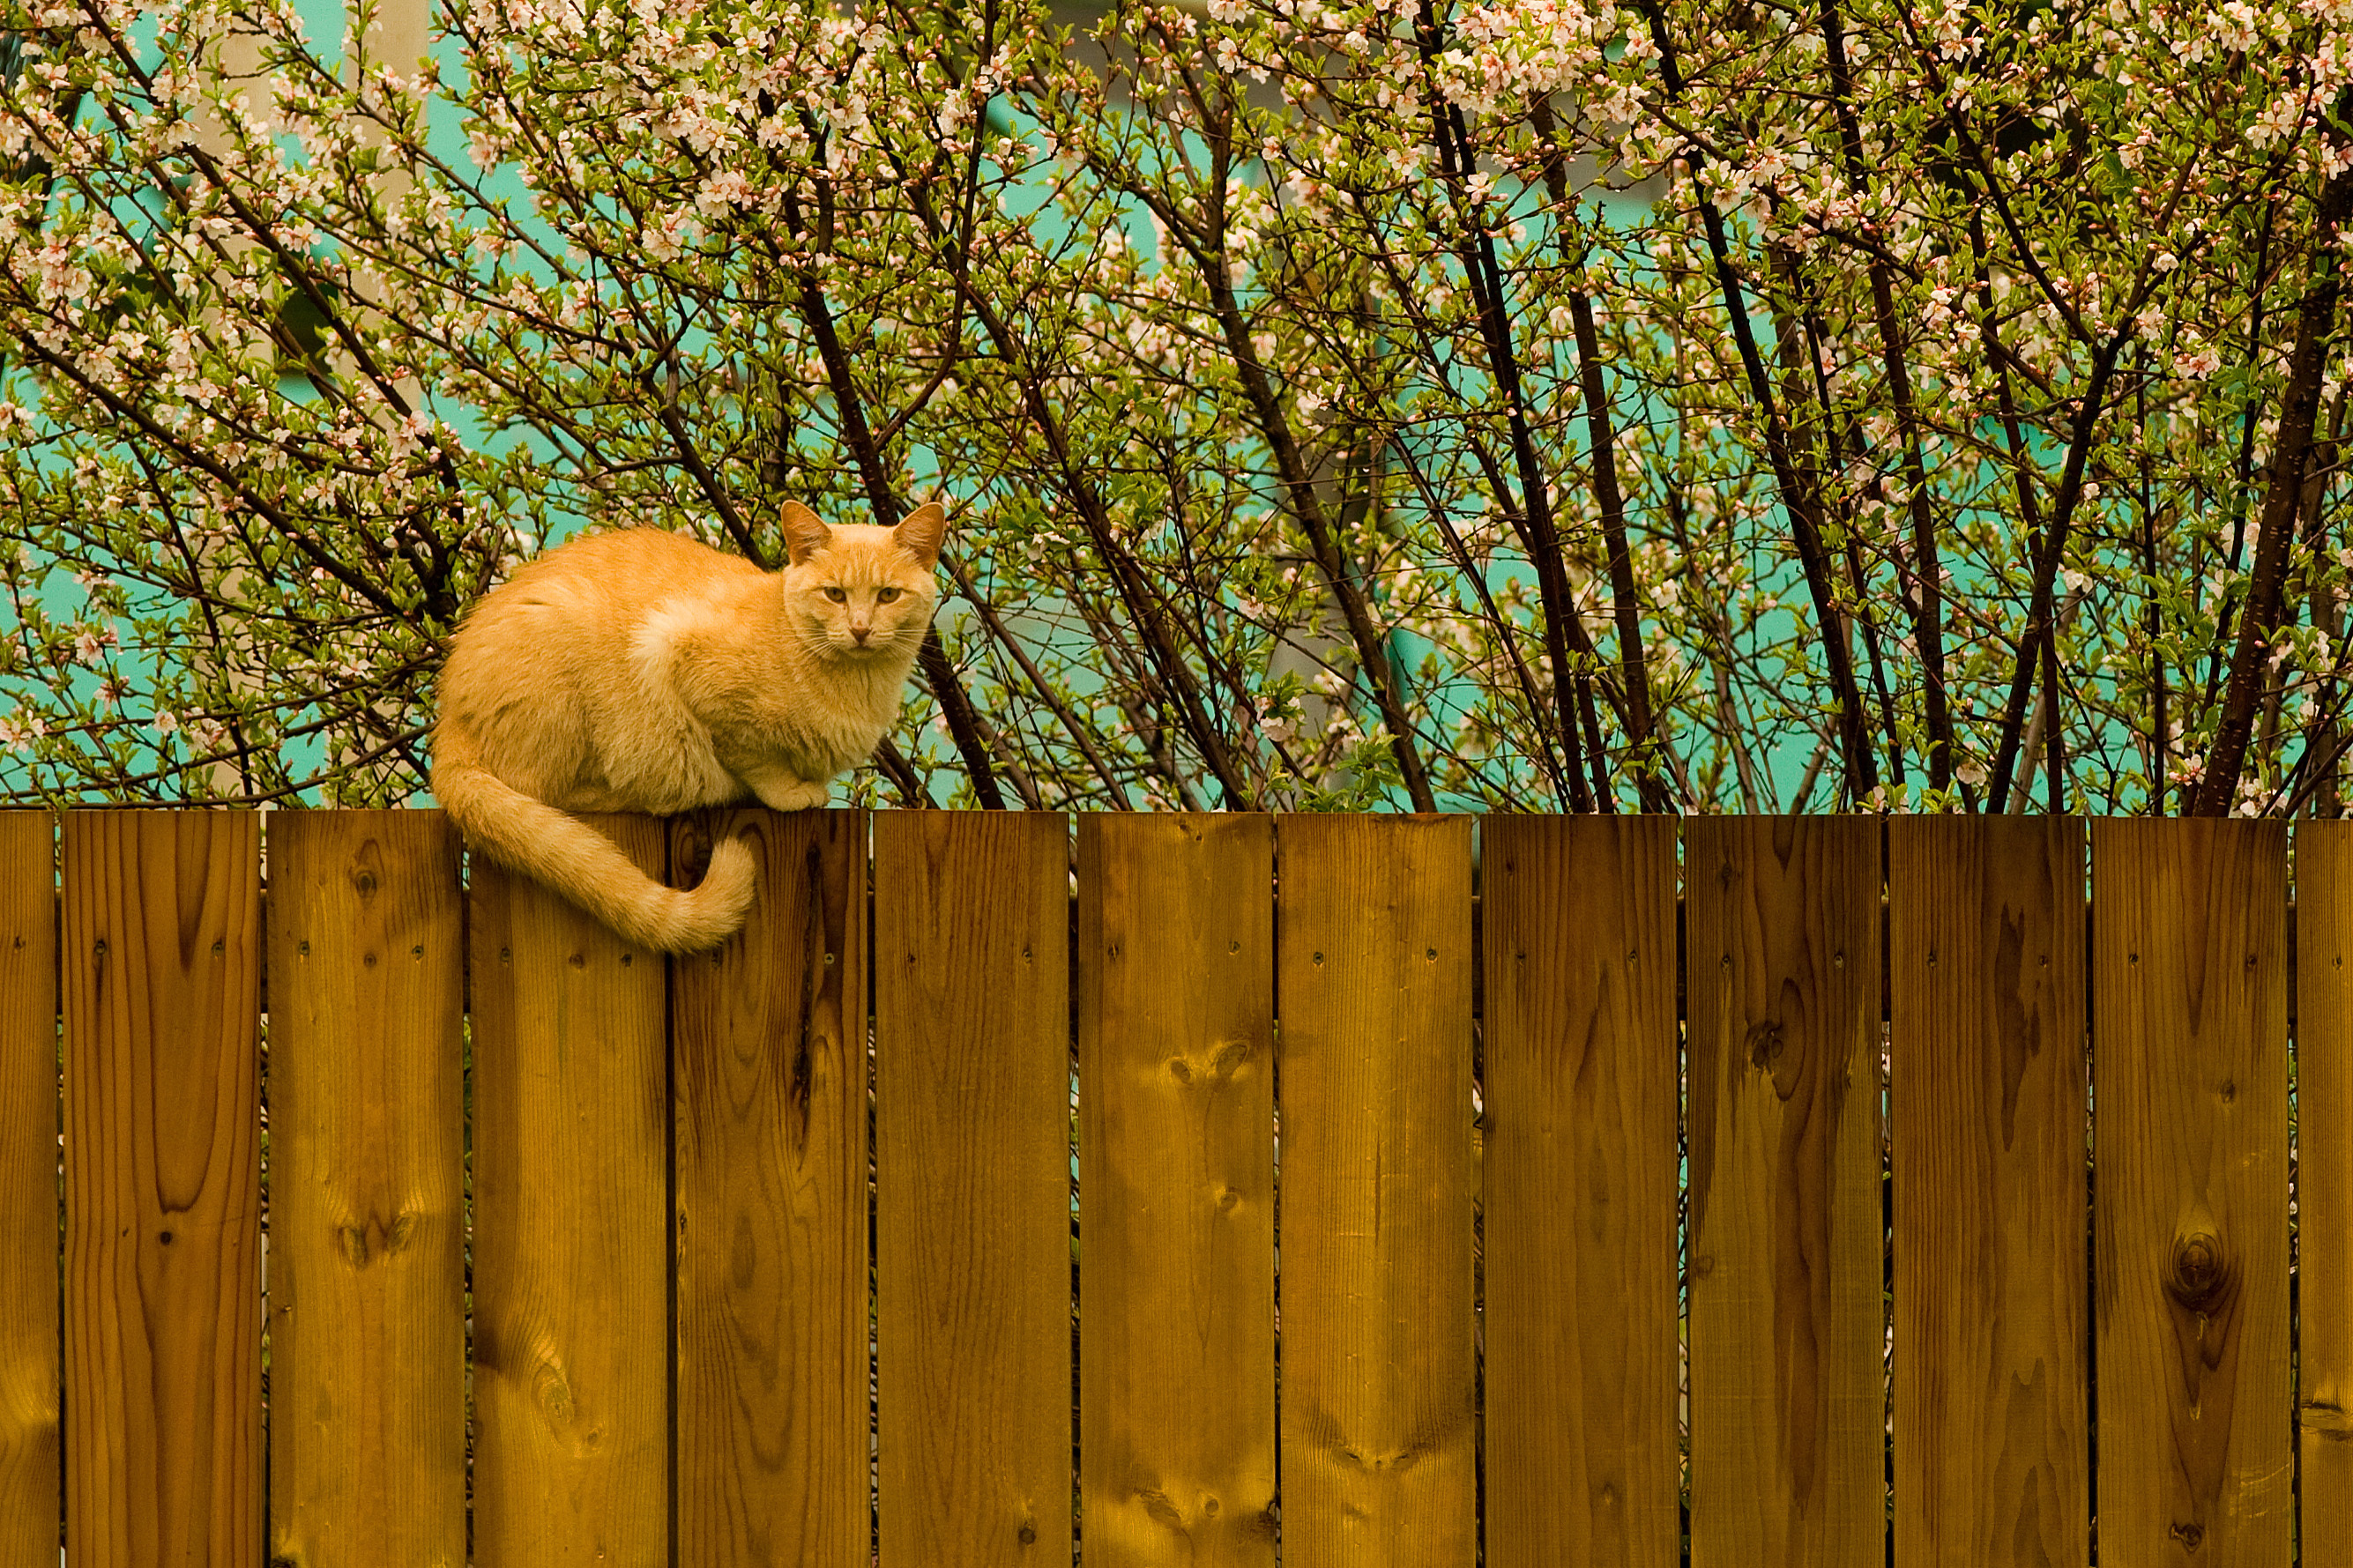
(1177, 1189)
(973, 1187)
(571, 1228)
(2189, 1071)
(2324, 1034)
(768, 1041)
(1987, 1112)
(29, 1493)
(1581, 1104)
(1786, 1323)
(163, 1127)
(367, 1444)
(1378, 1420)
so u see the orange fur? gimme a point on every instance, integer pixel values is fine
(641, 671)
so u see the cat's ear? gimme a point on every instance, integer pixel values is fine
(805, 535)
(922, 532)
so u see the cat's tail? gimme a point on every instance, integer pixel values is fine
(562, 852)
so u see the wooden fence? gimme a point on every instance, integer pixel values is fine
(580, 1258)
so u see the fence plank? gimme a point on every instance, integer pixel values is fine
(1987, 1084)
(1379, 1429)
(162, 971)
(1580, 1173)
(972, 1186)
(2190, 1068)
(2324, 1080)
(1177, 1189)
(367, 1442)
(1786, 1326)
(769, 1050)
(571, 1222)
(29, 1500)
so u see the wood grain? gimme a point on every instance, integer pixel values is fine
(768, 1042)
(163, 1126)
(1177, 1189)
(29, 1491)
(1580, 1170)
(1378, 1433)
(1787, 1324)
(2189, 1070)
(2323, 1081)
(367, 1442)
(1986, 1111)
(571, 1223)
(972, 1186)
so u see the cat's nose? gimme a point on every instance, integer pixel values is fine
(861, 632)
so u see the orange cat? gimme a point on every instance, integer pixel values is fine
(642, 671)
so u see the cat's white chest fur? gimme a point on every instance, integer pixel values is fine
(670, 755)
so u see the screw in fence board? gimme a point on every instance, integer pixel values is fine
(29, 1500)
(768, 1051)
(972, 1186)
(571, 1227)
(2324, 1050)
(2189, 1079)
(1986, 1112)
(1579, 955)
(1786, 1328)
(1373, 975)
(367, 1439)
(162, 1305)
(1177, 1189)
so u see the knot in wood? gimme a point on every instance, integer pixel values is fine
(2200, 1274)
(1764, 1044)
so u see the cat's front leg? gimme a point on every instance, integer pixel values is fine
(782, 792)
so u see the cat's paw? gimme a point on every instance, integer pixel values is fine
(791, 795)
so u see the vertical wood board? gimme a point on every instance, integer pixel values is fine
(2189, 1070)
(1376, 1187)
(367, 1443)
(30, 1497)
(972, 1186)
(2323, 1081)
(571, 1227)
(1986, 1111)
(1786, 1325)
(161, 970)
(1580, 1173)
(1177, 1189)
(769, 1044)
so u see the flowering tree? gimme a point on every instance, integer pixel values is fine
(1526, 405)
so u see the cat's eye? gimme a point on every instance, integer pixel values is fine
(837, 595)
(884, 595)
